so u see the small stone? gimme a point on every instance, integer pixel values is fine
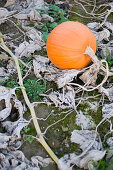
(64, 129)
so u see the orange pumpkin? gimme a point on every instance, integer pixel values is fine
(66, 45)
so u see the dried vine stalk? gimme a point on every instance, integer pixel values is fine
(30, 105)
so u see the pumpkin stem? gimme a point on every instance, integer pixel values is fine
(89, 51)
(30, 106)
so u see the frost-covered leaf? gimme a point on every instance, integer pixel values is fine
(34, 35)
(67, 161)
(38, 160)
(46, 17)
(7, 95)
(84, 138)
(22, 49)
(26, 48)
(34, 16)
(39, 64)
(25, 5)
(109, 152)
(93, 25)
(63, 100)
(93, 105)
(66, 76)
(107, 110)
(15, 128)
(93, 155)
(30, 14)
(16, 160)
(34, 44)
(102, 35)
(108, 92)
(4, 140)
(21, 16)
(9, 3)
(4, 13)
(109, 26)
(11, 67)
(38, 4)
(3, 56)
(63, 163)
(3, 73)
(41, 59)
(110, 142)
(84, 121)
(4, 161)
(90, 76)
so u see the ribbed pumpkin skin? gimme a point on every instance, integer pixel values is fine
(66, 45)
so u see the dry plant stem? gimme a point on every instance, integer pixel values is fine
(94, 7)
(94, 58)
(92, 14)
(91, 53)
(30, 106)
(80, 15)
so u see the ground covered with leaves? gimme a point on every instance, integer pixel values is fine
(74, 108)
